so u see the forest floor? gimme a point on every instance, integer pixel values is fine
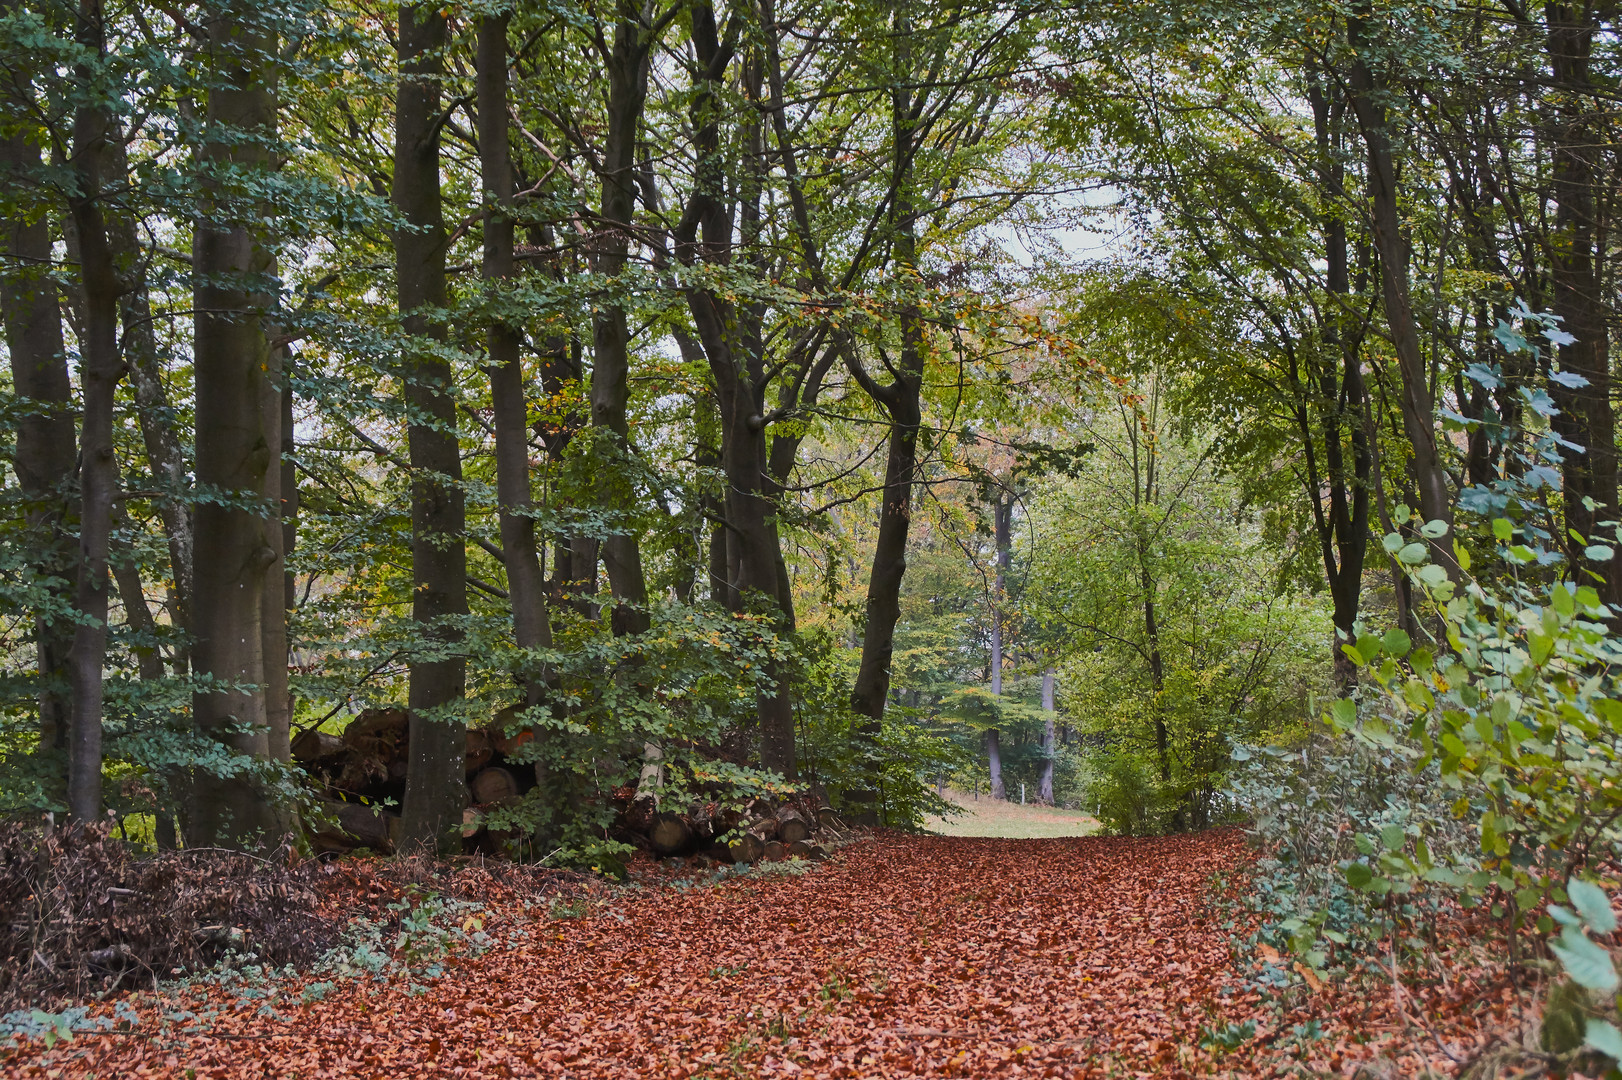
(901, 956)
(983, 816)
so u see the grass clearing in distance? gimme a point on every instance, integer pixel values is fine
(989, 817)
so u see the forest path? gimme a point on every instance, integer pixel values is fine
(985, 816)
(904, 956)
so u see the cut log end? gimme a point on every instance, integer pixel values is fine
(670, 834)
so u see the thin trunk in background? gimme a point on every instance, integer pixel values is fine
(155, 416)
(436, 790)
(1368, 97)
(1044, 790)
(1576, 255)
(1002, 518)
(272, 610)
(234, 450)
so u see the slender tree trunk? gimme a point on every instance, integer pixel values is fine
(272, 610)
(627, 62)
(1002, 518)
(436, 791)
(155, 416)
(99, 372)
(234, 450)
(1049, 746)
(1575, 259)
(1416, 401)
(525, 586)
(46, 445)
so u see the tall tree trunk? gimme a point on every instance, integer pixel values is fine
(234, 451)
(1049, 746)
(525, 586)
(901, 400)
(1416, 402)
(99, 371)
(1002, 518)
(46, 445)
(436, 790)
(730, 335)
(1585, 416)
(627, 62)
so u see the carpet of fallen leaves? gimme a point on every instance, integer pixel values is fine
(903, 956)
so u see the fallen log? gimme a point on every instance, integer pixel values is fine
(775, 851)
(765, 828)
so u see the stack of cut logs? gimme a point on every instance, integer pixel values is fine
(366, 766)
(797, 827)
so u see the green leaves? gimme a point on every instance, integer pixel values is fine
(1588, 964)
(1592, 904)
(1603, 1036)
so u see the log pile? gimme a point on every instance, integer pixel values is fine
(799, 827)
(366, 767)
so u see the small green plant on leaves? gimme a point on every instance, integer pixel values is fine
(1226, 1035)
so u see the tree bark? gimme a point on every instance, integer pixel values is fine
(436, 791)
(901, 401)
(627, 61)
(525, 586)
(99, 372)
(46, 449)
(234, 451)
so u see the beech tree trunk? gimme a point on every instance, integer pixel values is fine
(99, 371)
(627, 61)
(732, 343)
(46, 448)
(901, 401)
(525, 586)
(234, 450)
(436, 791)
